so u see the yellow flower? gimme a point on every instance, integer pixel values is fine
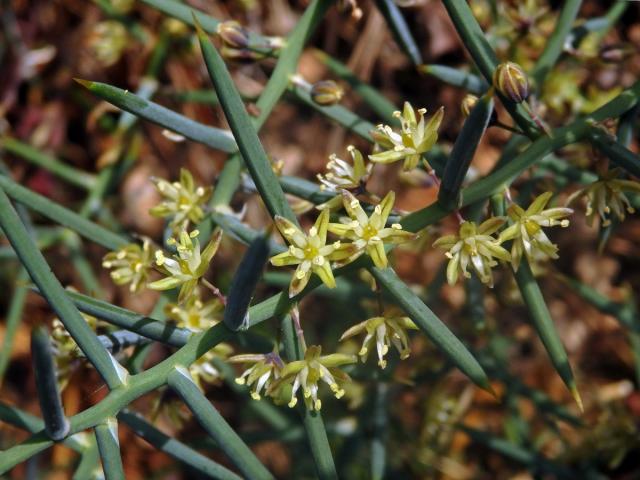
(195, 314)
(473, 246)
(182, 201)
(310, 252)
(307, 373)
(607, 196)
(266, 368)
(383, 331)
(370, 234)
(187, 266)
(526, 231)
(204, 370)
(414, 139)
(342, 175)
(132, 264)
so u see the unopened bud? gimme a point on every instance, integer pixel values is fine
(233, 34)
(510, 80)
(326, 92)
(468, 102)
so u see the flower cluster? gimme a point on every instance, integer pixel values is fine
(183, 202)
(415, 137)
(270, 374)
(475, 246)
(312, 254)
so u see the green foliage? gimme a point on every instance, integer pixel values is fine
(369, 230)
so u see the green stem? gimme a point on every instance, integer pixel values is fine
(371, 96)
(556, 42)
(62, 215)
(380, 427)
(312, 420)
(245, 133)
(175, 448)
(14, 315)
(109, 448)
(72, 175)
(432, 326)
(463, 151)
(337, 113)
(55, 422)
(617, 153)
(49, 285)
(543, 323)
(485, 58)
(400, 30)
(456, 77)
(540, 148)
(216, 426)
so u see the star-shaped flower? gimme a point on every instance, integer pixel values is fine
(370, 234)
(310, 371)
(382, 332)
(310, 252)
(473, 246)
(188, 266)
(526, 230)
(414, 139)
(183, 202)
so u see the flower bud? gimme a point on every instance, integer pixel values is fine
(468, 102)
(510, 80)
(233, 34)
(326, 92)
